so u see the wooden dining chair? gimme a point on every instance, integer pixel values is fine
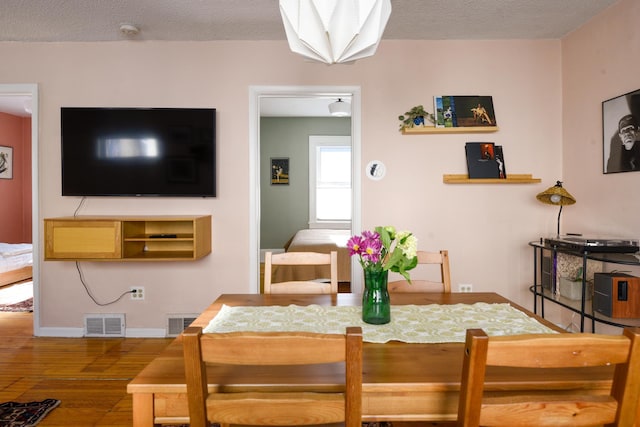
(271, 406)
(572, 406)
(421, 285)
(301, 259)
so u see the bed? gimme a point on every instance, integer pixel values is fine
(316, 240)
(16, 262)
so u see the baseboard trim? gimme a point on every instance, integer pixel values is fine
(79, 333)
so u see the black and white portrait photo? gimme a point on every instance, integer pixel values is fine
(621, 138)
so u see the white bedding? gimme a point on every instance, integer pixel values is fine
(15, 256)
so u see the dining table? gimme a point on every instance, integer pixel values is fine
(404, 379)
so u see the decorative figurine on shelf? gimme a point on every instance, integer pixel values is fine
(481, 115)
(415, 118)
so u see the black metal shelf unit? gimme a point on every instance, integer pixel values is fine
(545, 287)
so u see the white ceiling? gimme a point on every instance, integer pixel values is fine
(201, 20)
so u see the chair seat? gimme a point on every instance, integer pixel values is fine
(300, 408)
(548, 410)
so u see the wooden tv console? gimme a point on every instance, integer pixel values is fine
(127, 238)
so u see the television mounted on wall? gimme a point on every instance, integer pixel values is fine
(165, 152)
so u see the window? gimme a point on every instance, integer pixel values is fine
(330, 182)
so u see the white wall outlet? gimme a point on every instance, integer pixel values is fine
(137, 293)
(465, 287)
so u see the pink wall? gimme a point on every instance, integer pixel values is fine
(546, 97)
(600, 61)
(485, 227)
(15, 194)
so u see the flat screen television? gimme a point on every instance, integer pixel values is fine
(138, 152)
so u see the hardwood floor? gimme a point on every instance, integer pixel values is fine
(88, 375)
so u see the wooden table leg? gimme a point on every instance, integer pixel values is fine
(143, 410)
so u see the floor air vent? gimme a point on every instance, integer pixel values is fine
(104, 325)
(176, 323)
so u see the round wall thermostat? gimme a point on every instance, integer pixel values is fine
(376, 170)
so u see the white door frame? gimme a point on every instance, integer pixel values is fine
(32, 90)
(255, 94)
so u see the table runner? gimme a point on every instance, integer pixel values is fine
(431, 323)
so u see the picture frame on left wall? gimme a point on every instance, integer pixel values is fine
(6, 162)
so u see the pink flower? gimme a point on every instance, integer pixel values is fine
(354, 245)
(371, 249)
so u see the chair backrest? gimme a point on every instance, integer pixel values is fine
(420, 285)
(270, 406)
(301, 259)
(573, 406)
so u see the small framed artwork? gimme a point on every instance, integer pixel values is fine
(279, 171)
(6, 162)
(620, 134)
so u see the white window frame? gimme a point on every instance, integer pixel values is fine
(314, 142)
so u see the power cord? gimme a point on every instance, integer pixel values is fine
(86, 288)
(84, 199)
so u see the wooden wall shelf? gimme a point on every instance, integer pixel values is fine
(434, 130)
(510, 179)
(131, 238)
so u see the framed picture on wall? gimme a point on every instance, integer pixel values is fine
(279, 171)
(620, 136)
(6, 162)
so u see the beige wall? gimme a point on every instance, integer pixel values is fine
(485, 227)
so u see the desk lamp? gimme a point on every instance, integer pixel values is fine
(558, 196)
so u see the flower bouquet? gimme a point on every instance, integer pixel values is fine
(378, 252)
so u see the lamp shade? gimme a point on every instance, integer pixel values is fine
(556, 195)
(334, 31)
(340, 108)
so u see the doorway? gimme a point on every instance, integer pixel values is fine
(258, 94)
(23, 97)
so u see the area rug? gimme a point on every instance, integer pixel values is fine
(17, 297)
(14, 414)
(26, 305)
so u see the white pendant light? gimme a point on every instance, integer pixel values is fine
(340, 108)
(334, 31)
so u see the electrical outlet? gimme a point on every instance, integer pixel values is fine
(465, 287)
(137, 293)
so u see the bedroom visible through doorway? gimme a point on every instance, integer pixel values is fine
(19, 102)
(262, 192)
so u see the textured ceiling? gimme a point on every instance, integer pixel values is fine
(99, 20)
(201, 20)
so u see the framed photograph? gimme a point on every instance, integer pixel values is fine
(279, 171)
(620, 136)
(6, 162)
(464, 111)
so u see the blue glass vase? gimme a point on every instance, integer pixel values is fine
(376, 306)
